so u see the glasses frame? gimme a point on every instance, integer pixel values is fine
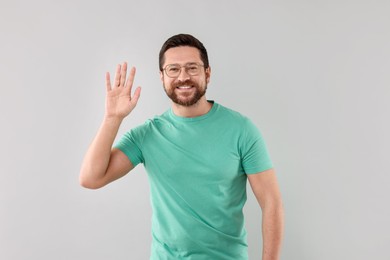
(185, 67)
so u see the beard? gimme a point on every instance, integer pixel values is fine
(185, 99)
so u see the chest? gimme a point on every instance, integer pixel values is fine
(193, 152)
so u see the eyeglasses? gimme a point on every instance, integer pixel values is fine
(174, 70)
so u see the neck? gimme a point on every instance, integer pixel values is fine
(198, 109)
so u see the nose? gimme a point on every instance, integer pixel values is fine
(183, 76)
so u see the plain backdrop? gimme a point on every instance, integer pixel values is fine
(312, 75)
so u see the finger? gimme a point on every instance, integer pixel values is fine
(108, 81)
(130, 79)
(123, 74)
(117, 75)
(137, 94)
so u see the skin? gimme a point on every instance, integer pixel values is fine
(266, 190)
(102, 164)
(182, 56)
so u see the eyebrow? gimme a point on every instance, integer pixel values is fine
(188, 63)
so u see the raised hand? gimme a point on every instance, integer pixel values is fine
(119, 102)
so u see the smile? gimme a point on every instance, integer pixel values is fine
(184, 87)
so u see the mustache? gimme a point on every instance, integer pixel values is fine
(181, 83)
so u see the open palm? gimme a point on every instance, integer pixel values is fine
(119, 102)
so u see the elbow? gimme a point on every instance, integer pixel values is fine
(87, 183)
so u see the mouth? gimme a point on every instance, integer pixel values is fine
(184, 87)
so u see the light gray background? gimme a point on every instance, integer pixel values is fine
(313, 75)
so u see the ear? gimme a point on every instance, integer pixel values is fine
(208, 74)
(162, 76)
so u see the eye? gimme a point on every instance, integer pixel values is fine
(173, 69)
(192, 68)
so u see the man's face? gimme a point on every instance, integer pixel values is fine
(185, 90)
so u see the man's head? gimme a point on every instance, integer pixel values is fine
(183, 40)
(184, 69)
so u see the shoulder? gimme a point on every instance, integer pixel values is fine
(239, 122)
(159, 121)
(233, 115)
(151, 125)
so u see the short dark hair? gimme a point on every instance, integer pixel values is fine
(183, 40)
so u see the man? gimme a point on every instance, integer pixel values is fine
(198, 156)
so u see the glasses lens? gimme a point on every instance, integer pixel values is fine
(192, 69)
(173, 70)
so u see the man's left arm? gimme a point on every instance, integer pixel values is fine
(266, 189)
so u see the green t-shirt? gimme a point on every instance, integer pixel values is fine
(197, 173)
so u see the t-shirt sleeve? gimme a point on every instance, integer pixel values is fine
(254, 153)
(131, 144)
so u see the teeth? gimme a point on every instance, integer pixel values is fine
(184, 87)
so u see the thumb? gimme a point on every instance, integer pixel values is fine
(136, 96)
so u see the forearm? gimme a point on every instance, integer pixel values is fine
(272, 231)
(98, 154)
